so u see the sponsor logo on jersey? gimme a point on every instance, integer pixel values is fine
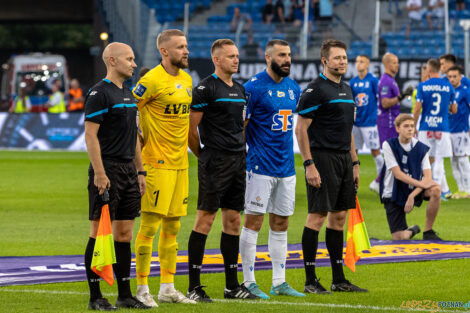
(281, 94)
(140, 90)
(433, 121)
(201, 87)
(362, 99)
(282, 121)
(309, 90)
(93, 93)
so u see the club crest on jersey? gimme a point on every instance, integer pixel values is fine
(281, 94)
(179, 86)
(362, 99)
(291, 94)
(282, 121)
(140, 90)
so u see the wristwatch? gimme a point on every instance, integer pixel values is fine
(308, 162)
(142, 173)
(356, 163)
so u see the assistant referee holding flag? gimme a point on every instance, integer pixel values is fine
(324, 133)
(114, 151)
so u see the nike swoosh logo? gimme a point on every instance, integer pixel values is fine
(171, 93)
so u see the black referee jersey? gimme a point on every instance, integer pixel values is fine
(331, 107)
(221, 127)
(115, 109)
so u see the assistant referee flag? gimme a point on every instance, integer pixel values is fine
(357, 238)
(103, 254)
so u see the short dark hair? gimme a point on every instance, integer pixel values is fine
(328, 44)
(219, 43)
(433, 65)
(456, 68)
(364, 56)
(167, 34)
(273, 42)
(448, 57)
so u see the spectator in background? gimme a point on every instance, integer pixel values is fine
(267, 12)
(239, 17)
(397, 7)
(76, 98)
(415, 13)
(279, 13)
(460, 5)
(56, 103)
(251, 49)
(288, 6)
(21, 103)
(436, 13)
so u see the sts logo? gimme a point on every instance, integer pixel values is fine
(282, 121)
(362, 99)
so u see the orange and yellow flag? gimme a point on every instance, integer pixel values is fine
(357, 238)
(103, 254)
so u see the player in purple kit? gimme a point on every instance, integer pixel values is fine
(389, 98)
(364, 89)
(459, 126)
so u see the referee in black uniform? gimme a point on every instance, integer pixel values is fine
(114, 151)
(218, 108)
(324, 133)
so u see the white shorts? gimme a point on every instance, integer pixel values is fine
(269, 194)
(438, 142)
(366, 135)
(460, 143)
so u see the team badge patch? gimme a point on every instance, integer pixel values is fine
(291, 94)
(139, 90)
(179, 86)
(280, 94)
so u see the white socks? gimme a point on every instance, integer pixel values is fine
(277, 246)
(142, 289)
(248, 240)
(166, 287)
(379, 163)
(461, 170)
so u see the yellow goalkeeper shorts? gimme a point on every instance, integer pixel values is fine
(166, 193)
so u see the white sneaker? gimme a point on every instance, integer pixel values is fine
(147, 299)
(375, 187)
(174, 296)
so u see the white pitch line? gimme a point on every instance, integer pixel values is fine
(256, 302)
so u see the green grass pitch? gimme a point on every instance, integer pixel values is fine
(44, 210)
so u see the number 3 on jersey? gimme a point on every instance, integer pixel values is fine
(282, 121)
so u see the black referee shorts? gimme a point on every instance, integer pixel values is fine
(336, 192)
(124, 194)
(222, 180)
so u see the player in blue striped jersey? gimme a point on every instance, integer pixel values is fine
(459, 126)
(270, 180)
(364, 89)
(436, 97)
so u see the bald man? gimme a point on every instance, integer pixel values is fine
(164, 95)
(389, 98)
(115, 167)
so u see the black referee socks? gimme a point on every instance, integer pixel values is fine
(196, 246)
(309, 249)
(92, 278)
(334, 244)
(229, 246)
(122, 269)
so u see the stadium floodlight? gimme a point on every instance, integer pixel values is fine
(465, 24)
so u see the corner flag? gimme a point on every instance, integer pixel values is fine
(357, 237)
(103, 253)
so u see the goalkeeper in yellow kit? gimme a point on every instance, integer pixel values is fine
(164, 96)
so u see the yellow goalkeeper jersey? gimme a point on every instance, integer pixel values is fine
(163, 102)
